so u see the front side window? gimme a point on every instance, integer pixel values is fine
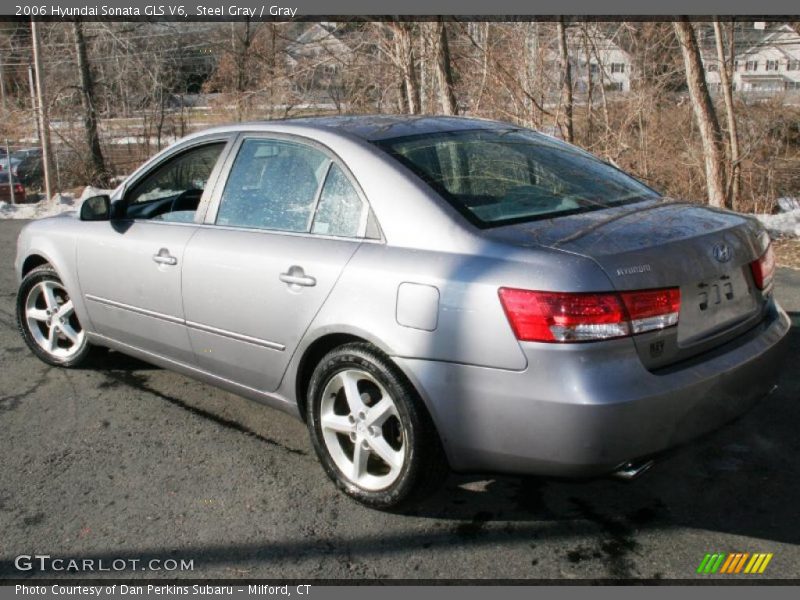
(495, 177)
(173, 190)
(273, 184)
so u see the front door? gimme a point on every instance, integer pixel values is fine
(288, 221)
(130, 268)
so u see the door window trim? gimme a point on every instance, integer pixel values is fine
(226, 167)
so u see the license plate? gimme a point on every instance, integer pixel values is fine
(711, 306)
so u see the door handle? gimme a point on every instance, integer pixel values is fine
(165, 258)
(296, 276)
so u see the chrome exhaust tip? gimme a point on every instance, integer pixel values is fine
(631, 470)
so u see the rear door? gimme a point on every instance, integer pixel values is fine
(130, 267)
(288, 219)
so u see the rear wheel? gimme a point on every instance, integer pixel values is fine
(47, 321)
(369, 428)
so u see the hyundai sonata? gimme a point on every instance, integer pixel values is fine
(422, 292)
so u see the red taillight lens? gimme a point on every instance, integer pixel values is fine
(763, 269)
(578, 317)
(652, 309)
(18, 189)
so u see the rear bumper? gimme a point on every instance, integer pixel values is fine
(583, 409)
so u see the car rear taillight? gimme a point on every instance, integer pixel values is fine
(18, 189)
(652, 309)
(580, 317)
(763, 269)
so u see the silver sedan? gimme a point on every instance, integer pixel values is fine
(424, 293)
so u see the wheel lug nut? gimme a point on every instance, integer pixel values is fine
(365, 445)
(351, 419)
(353, 436)
(373, 431)
(362, 416)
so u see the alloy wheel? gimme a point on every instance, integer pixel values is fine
(362, 430)
(51, 320)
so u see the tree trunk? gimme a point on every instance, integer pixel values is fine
(733, 134)
(242, 63)
(404, 50)
(589, 88)
(566, 77)
(99, 172)
(444, 72)
(704, 112)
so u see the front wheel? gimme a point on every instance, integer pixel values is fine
(47, 321)
(369, 428)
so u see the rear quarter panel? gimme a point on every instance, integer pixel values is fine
(471, 326)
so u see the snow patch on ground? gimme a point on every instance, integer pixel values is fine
(782, 225)
(58, 204)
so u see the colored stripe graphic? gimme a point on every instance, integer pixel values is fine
(711, 563)
(741, 562)
(734, 563)
(703, 563)
(765, 563)
(726, 566)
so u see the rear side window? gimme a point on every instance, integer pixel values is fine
(273, 184)
(340, 208)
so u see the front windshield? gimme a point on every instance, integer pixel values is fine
(496, 177)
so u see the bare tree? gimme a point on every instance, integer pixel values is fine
(734, 170)
(566, 80)
(704, 112)
(404, 58)
(444, 70)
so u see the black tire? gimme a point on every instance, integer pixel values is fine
(424, 465)
(46, 273)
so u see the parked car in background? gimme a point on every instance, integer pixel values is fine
(27, 153)
(6, 160)
(422, 292)
(20, 196)
(29, 169)
(25, 164)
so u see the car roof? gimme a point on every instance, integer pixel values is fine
(380, 127)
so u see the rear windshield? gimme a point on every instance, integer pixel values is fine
(497, 177)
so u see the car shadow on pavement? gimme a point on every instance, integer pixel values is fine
(743, 480)
(109, 360)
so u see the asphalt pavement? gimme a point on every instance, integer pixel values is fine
(124, 461)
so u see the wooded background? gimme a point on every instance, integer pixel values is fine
(115, 92)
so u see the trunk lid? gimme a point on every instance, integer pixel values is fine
(658, 244)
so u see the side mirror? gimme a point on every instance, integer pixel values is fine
(96, 208)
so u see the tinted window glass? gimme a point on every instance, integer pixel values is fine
(496, 177)
(273, 185)
(339, 209)
(173, 191)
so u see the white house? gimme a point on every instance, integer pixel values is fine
(607, 65)
(768, 65)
